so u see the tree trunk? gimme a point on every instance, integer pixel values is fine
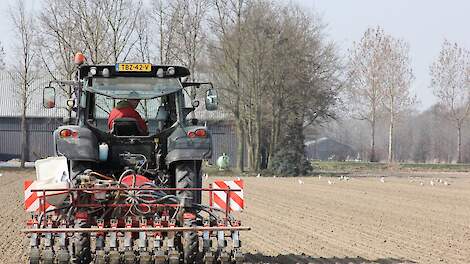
(241, 147)
(390, 131)
(459, 144)
(272, 145)
(258, 142)
(372, 157)
(390, 139)
(24, 145)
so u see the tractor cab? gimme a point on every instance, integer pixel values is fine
(158, 131)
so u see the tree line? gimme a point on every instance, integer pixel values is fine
(278, 74)
(378, 93)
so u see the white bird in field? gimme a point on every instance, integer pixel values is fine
(319, 177)
(238, 178)
(341, 178)
(421, 183)
(431, 182)
(439, 180)
(259, 175)
(330, 182)
(382, 179)
(300, 181)
(446, 183)
(206, 176)
(274, 176)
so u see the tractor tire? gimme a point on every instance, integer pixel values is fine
(82, 248)
(190, 245)
(187, 175)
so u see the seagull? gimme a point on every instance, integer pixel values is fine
(259, 175)
(341, 178)
(274, 176)
(439, 180)
(382, 179)
(206, 176)
(300, 181)
(446, 183)
(431, 182)
(319, 177)
(421, 183)
(330, 182)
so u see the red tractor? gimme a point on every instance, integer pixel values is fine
(116, 195)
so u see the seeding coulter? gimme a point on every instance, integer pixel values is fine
(130, 190)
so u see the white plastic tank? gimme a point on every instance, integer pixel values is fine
(103, 151)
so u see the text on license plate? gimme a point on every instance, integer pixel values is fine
(133, 67)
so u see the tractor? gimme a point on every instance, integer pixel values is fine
(115, 194)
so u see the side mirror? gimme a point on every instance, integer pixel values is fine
(48, 97)
(212, 101)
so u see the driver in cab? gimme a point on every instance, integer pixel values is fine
(126, 109)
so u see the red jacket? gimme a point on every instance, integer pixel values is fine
(124, 109)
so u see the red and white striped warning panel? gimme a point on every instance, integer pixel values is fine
(32, 199)
(219, 198)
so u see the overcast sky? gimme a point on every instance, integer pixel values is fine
(424, 24)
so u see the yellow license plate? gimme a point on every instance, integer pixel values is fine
(134, 67)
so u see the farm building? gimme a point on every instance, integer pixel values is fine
(42, 122)
(329, 149)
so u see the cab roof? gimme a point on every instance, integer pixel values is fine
(133, 70)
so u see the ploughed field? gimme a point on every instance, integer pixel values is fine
(308, 220)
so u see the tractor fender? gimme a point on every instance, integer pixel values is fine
(188, 154)
(81, 145)
(181, 147)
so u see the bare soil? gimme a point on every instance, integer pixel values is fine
(362, 220)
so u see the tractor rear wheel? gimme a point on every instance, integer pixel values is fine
(187, 175)
(81, 243)
(190, 243)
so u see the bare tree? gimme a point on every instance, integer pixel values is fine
(366, 79)
(121, 17)
(450, 80)
(397, 94)
(58, 42)
(275, 71)
(90, 19)
(188, 19)
(190, 31)
(143, 35)
(166, 17)
(226, 55)
(24, 72)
